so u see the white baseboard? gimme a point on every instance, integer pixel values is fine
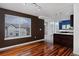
(75, 55)
(5, 48)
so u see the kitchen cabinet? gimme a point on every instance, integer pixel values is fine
(65, 40)
(72, 19)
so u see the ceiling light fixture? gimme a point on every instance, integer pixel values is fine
(34, 5)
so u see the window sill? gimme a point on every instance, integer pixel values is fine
(16, 37)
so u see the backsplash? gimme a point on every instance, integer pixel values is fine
(65, 24)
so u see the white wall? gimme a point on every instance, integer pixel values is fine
(63, 13)
(50, 27)
(48, 31)
(76, 29)
(58, 16)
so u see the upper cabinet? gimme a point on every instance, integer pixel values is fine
(72, 19)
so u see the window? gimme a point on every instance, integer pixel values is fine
(63, 26)
(17, 27)
(67, 26)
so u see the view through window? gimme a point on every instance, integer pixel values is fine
(17, 27)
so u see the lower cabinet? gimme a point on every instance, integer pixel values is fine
(65, 40)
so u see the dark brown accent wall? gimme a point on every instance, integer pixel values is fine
(37, 24)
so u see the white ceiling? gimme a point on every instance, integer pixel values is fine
(47, 9)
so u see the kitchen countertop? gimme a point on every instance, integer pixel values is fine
(66, 30)
(65, 33)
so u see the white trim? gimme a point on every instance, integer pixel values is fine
(9, 38)
(75, 54)
(5, 48)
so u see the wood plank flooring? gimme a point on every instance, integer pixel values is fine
(38, 49)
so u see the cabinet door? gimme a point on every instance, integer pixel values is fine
(65, 40)
(57, 38)
(72, 18)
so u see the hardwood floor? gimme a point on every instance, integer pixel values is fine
(38, 49)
